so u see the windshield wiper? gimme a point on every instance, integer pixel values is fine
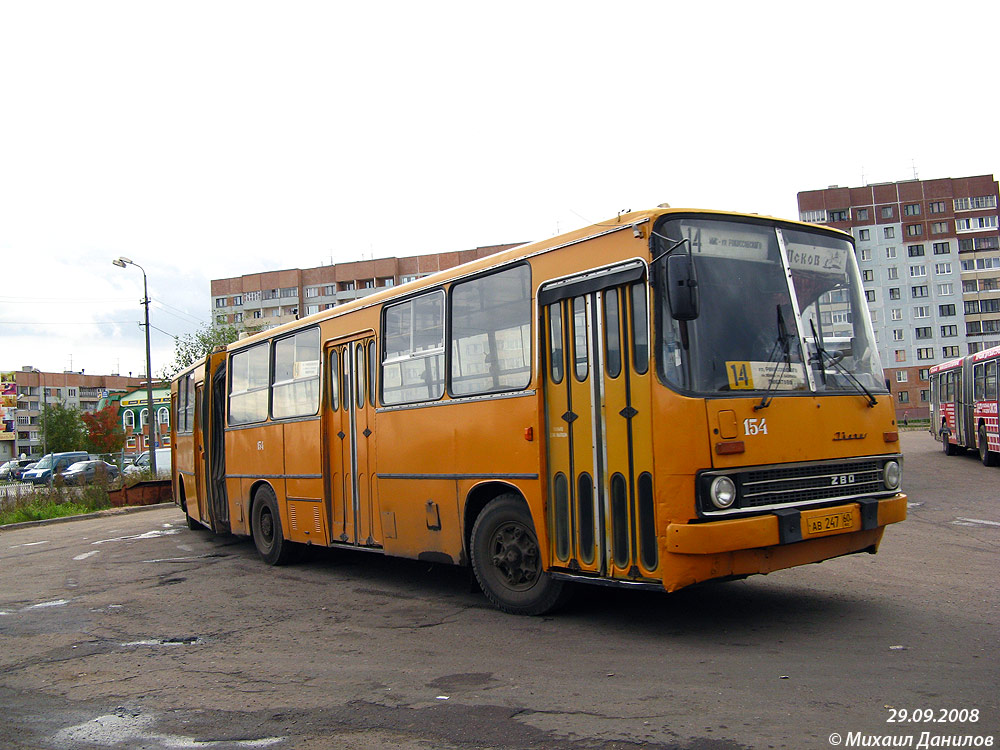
(670, 249)
(835, 362)
(781, 341)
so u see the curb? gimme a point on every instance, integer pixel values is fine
(84, 516)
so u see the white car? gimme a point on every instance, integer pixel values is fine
(141, 464)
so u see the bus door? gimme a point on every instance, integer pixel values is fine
(969, 437)
(598, 422)
(199, 454)
(217, 451)
(960, 400)
(353, 496)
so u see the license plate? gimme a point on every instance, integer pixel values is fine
(830, 522)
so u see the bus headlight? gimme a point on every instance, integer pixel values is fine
(722, 492)
(891, 474)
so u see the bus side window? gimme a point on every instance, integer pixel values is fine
(979, 383)
(413, 343)
(490, 327)
(991, 381)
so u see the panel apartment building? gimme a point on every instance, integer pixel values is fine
(929, 253)
(271, 298)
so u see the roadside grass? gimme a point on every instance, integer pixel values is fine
(44, 503)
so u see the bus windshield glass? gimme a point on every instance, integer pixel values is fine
(782, 310)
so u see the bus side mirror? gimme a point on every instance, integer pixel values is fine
(682, 288)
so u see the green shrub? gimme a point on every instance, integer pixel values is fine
(42, 503)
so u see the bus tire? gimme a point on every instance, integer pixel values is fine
(989, 458)
(265, 524)
(191, 523)
(949, 448)
(507, 561)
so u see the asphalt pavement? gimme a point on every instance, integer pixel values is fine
(131, 631)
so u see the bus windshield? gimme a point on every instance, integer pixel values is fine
(767, 294)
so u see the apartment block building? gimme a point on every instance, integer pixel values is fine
(25, 393)
(929, 254)
(271, 298)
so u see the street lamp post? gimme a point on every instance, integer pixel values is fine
(121, 263)
(45, 426)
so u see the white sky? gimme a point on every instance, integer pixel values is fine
(211, 139)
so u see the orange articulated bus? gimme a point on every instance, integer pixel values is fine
(671, 397)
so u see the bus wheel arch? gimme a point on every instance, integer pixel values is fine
(478, 498)
(507, 561)
(266, 528)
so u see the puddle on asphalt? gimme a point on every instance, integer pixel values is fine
(132, 728)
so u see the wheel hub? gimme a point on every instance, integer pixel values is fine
(515, 556)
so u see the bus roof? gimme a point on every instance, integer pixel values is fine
(986, 354)
(951, 364)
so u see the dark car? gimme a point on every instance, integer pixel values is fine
(13, 468)
(19, 473)
(52, 465)
(84, 472)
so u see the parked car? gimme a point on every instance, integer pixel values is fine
(19, 473)
(84, 472)
(9, 470)
(52, 465)
(141, 464)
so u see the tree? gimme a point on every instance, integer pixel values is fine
(62, 429)
(191, 347)
(104, 430)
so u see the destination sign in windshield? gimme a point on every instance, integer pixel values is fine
(756, 244)
(824, 260)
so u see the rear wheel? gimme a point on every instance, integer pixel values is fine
(507, 562)
(191, 523)
(265, 523)
(989, 458)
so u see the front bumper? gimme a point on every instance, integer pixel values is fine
(785, 526)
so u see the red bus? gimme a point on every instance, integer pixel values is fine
(964, 405)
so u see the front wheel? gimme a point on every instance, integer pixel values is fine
(949, 448)
(507, 561)
(989, 458)
(265, 523)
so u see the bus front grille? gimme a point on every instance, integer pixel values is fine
(791, 485)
